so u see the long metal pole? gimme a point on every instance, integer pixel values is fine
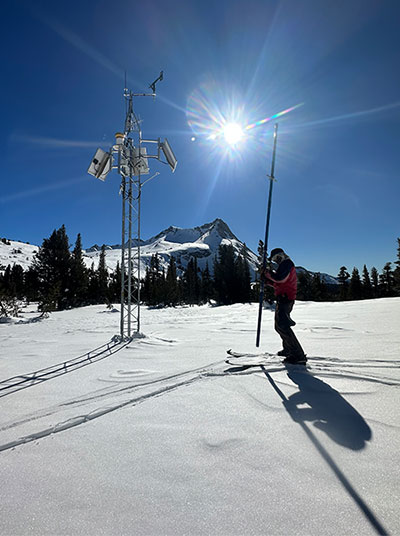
(123, 192)
(138, 254)
(130, 254)
(265, 255)
(139, 192)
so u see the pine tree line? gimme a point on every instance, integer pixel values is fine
(231, 282)
(368, 285)
(58, 279)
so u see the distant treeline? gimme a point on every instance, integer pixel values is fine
(370, 284)
(58, 279)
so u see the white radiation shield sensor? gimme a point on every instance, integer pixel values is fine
(100, 165)
(141, 163)
(169, 155)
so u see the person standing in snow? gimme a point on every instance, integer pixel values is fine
(284, 282)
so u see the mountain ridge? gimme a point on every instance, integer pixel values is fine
(201, 242)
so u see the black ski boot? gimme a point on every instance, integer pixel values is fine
(295, 360)
(283, 353)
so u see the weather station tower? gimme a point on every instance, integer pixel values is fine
(129, 156)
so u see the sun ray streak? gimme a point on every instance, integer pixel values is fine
(352, 115)
(47, 142)
(26, 194)
(90, 51)
(210, 189)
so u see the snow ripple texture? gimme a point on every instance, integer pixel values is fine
(163, 436)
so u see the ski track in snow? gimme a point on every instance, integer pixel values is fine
(328, 367)
(232, 418)
(213, 370)
(81, 419)
(199, 374)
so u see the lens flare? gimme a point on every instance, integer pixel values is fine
(217, 119)
(221, 119)
(279, 114)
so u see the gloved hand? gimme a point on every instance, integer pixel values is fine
(267, 275)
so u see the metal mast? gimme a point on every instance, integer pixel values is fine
(132, 163)
(130, 193)
(265, 255)
(129, 156)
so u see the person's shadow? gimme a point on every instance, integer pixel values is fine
(327, 410)
(330, 412)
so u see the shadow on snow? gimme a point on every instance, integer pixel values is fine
(330, 412)
(327, 409)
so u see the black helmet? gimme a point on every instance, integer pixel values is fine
(275, 251)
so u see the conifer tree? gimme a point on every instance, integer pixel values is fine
(79, 276)
(6, 283)
(387, 280)
(191, 282)
(206, 287)
(396, 273)
(304, 286)
(355, 287)
(197, 280)
(115, 285)
(224, 275)
(17, 281)
(171, 281)
(242, 288)
(247, 294)
(31, 285)
(318, 288)
(102, 277)
(93, 288)
(162, 300)
(154, 286)
(246, 285)
(146, 287)
(343, 276)
(366, 283)
(375, 282)
(53, 266)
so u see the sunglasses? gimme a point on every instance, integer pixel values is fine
(277, 258)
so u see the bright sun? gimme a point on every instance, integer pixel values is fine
(232, 133)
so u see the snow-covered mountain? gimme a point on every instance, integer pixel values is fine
(326, 278)
(14, 252)
(200, 242)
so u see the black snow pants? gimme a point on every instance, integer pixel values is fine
(283, 324)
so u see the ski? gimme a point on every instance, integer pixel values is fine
(247, 362)
(234, 354)
(240, 359)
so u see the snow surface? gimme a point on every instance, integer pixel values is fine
(164, 438)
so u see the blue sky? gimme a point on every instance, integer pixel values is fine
(337, 192)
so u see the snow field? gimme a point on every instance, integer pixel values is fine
(164, 437)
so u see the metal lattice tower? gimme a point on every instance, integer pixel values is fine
(129, 156)
(130, 257)
(129, 167)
